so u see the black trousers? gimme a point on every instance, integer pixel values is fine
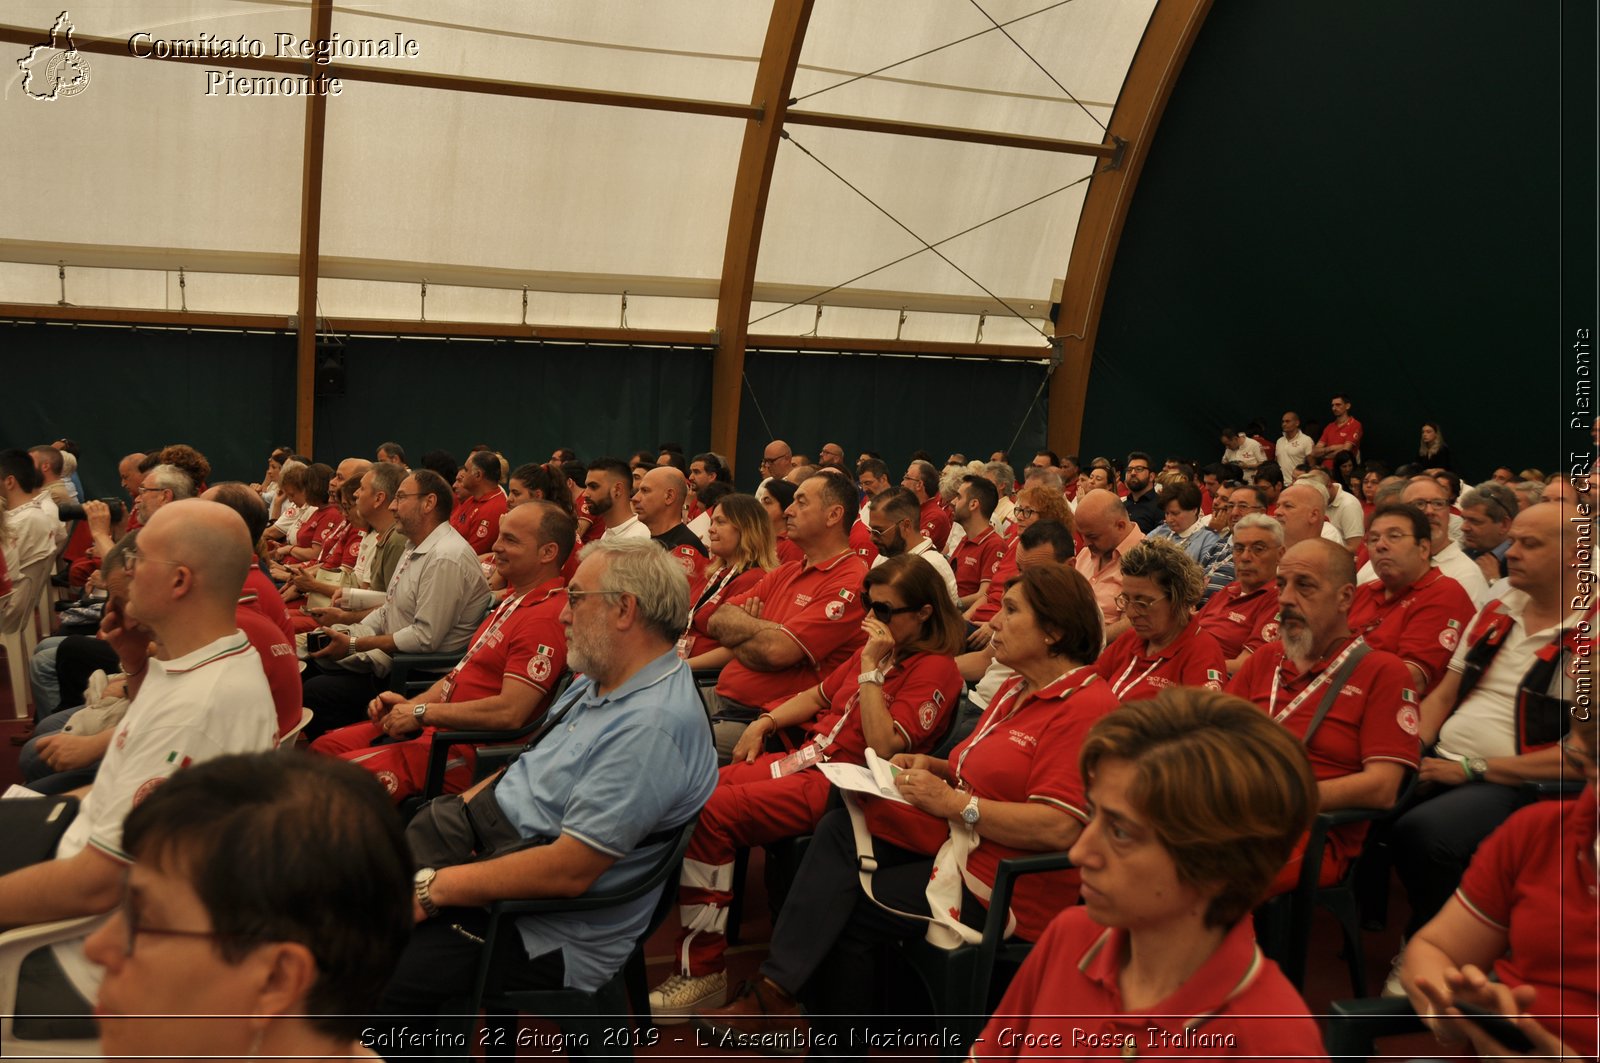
(1434, 838)
(828, 935)
(77, 658)
(432, 984)
(336, 696)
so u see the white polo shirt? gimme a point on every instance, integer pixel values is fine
(204, 704)
(926, 551)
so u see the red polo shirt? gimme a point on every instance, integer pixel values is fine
(720, 587)
(1423, 625)
(936, 521)
(530, 647)
(787, 551)
(278, 661)
(1240, 621)
(597, 527)
(1193, 660)
(268, 601)
(1375, 718)
(321, 526)
(478, 520)
(1066, 1003)
(1023, 749)
(861, 541)
(1531, 881)
(920, 693)
(819, 607)
(1349, 432)
(975, 560)
(1004, 566)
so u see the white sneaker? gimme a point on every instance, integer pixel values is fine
(679, 996)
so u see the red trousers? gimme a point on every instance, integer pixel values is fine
(748, 807)
(402, 766)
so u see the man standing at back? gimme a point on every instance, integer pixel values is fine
(201, 694)
(1342, 434)
(1294, 446)
(801, 621)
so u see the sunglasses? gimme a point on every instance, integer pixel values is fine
(882, 611)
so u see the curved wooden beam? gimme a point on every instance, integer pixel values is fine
(780, 54)
(1167, 39)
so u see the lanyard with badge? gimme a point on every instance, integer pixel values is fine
(815, 751)
(496, 622)
(1316, 684)
(1123, 684)
(997, 718)
(710, 596)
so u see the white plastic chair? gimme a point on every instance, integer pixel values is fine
(15, 945)
(16, 662)
(286, 740)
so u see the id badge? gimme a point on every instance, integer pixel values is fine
(806, 756)
(685, 645)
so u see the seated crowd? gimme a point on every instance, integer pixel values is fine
(1164, 673)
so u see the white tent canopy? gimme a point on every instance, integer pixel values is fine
(143, 173)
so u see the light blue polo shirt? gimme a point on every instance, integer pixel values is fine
(616, 769)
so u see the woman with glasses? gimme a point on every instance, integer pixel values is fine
(894, 695)
(1011, 787)
(1163, 647)
(742, 551)
(226, 944)
(775, 497)
(1525, 912)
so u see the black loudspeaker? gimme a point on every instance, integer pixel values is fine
(330, 370)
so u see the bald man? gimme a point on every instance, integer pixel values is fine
(349, 469)
(776, 460)
(1108, 533)
(197, 691)
(831, 454)
(658, 501)
(1302, 509)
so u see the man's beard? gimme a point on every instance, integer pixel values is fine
(1297, 643)
(602, 507)
(589, 654)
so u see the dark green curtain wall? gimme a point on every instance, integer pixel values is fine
(116, 390)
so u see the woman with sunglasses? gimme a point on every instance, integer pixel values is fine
(894, 695)
(1163, 647)
(742, 551)
(1526, 912)
(1011, 787)
(227, 944)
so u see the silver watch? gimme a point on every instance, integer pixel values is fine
(874, 676)
(969, 815)
(422, 886)
(418, 711)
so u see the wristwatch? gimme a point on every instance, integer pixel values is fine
(1475, 767)
(422, 885)
(969, 815)
(418, 711)
(874, 676)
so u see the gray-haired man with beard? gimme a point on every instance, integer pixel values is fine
(627, 757)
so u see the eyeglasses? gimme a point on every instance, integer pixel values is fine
(132, 927)
(882, 611)
(1432, 503)
(1137, 468)
(1258, 549)
(151, 490)
(1393, 537)
(578, 596)
(398, 495)
(1135, 605)
(131, 559)
(1024, 512)
(1244, 505)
